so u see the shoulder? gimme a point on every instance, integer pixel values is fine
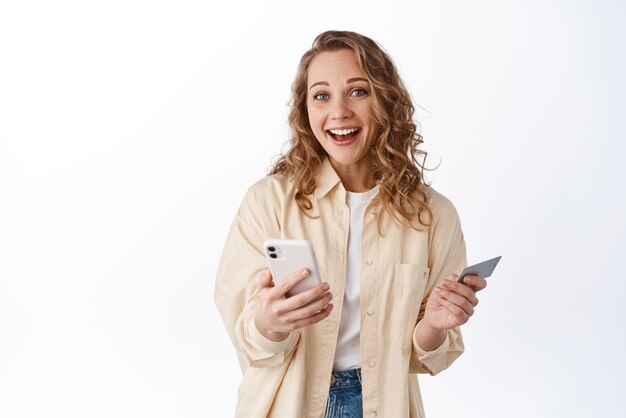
(270, 191)
(274, 184)
(441, 207)
(263, 206)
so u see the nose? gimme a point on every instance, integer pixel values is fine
(340, 109)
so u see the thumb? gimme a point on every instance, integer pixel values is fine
(265, 279)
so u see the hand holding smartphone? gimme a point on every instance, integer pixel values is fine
(285, 256)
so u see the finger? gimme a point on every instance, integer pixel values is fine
(461, 289)
(458, 300)
(477, 283)
(306, 297)
(459, 314)
(288, 282)
(314, 319)
(309, 310)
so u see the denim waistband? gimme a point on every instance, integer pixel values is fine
(345, 378)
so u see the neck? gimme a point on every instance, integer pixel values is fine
(356, 178)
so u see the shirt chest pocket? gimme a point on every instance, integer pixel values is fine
(409, 285)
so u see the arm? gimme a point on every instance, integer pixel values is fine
(262, 323)
(237, 288)
(437, 340)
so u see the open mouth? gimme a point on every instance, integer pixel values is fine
(344, 136)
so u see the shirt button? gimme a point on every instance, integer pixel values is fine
(373, 216)
(369, 263)
(373, 414)
(372, 364)
(370, 312)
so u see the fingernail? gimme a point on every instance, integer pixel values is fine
(325, 287)
(304, 273)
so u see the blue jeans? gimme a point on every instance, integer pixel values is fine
(344, 396)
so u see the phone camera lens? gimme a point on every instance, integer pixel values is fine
(273, 255)
(271, 248)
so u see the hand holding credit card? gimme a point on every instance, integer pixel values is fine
(484, 269)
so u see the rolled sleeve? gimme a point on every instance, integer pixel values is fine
(439, 359)
(265, 345)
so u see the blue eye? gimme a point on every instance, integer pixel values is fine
(358, 92)
(320, 96)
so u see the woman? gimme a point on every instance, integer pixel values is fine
(387, 247)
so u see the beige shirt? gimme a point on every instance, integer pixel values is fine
(291, 378)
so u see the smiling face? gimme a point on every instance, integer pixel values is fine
(340, 110)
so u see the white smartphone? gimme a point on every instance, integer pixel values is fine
(483, 269)
(285, 256)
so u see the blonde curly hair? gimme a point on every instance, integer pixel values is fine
(394, 152)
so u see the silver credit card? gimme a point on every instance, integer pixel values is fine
(484, 269)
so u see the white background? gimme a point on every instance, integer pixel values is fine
(130, 130)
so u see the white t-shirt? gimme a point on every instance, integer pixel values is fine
(347, 355)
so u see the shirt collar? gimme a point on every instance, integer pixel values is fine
(327, 179)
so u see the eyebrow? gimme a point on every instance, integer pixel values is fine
(348, 81)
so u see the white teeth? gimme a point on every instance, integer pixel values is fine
(343, 131)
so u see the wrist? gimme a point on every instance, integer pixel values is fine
(270, 335)
(431, 329)
(428, 337)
